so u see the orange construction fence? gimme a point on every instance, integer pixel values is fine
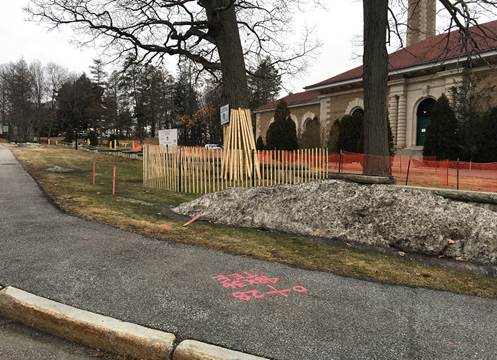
(426, 171)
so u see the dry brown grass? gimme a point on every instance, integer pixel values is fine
(74, 193)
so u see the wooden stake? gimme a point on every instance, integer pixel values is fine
(114, 173)
(94, 173)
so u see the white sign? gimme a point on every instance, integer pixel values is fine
(225, 115)
(168, 137)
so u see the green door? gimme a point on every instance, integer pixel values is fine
(423, 122)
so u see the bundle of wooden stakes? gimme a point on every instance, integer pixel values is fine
(239, 160)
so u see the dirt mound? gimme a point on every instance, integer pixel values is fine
(378, 215)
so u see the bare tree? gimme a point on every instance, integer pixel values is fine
(56, 76)
(40, 92)
(219, 36)
(19, 88)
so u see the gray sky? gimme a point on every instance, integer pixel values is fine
(336, 27)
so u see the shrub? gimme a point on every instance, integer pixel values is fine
(260, 144)
(333, 137)
(92, 136)
(441, 135)
(282, 133)
(347, 135)
(487, 151)
(350, 136)
(70, 136)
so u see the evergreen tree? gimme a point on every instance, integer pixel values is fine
(97, 71)
(441, 135)
(264, 84)
(347, 135)
(351, 133)
(154, 97)
(333, 136)
(111, 103)
(488, 147)
(282, 133)
(78, 104)
(213, 99)
(186, 104)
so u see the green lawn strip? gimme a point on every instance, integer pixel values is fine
(74, 193)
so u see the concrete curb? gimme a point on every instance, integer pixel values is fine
(105, 333)
(93, 330)
(195, 350)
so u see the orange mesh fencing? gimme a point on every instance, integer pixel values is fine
(426, 172)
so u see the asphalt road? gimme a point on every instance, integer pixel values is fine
(18, 342)
(172, 287)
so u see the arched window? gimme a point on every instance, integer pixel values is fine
(357, 111)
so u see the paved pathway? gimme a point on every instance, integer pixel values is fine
(171, 287)
(21, 343)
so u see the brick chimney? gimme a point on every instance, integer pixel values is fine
(421, 22)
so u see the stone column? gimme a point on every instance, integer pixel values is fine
(393, 115)
(402, 122)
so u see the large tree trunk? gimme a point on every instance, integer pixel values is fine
(375, 80)
(223, 27)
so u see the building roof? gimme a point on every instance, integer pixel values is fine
(301, 98)
(435, 49)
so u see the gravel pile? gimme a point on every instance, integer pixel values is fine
(377, 215)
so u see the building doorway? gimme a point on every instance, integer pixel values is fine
(423, 119)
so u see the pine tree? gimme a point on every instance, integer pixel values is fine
(98, 73)
(488, 147)
(282, 133)
(333, 136)
(350, 134)
(186, 104)
(264, 84)
(441, 135)
(78, 104)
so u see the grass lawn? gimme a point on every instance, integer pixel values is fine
(146, 211)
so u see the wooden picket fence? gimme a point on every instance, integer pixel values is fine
(200, 171)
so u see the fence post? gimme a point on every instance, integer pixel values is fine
(94, 172)
(180, 171)
(408, 170)
(114, 180)
(457, 173)
(340, 162)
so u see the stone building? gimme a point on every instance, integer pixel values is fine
(426, 68)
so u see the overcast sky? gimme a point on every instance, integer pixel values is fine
(336, 27)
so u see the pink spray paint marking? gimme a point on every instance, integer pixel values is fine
(246, 286)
